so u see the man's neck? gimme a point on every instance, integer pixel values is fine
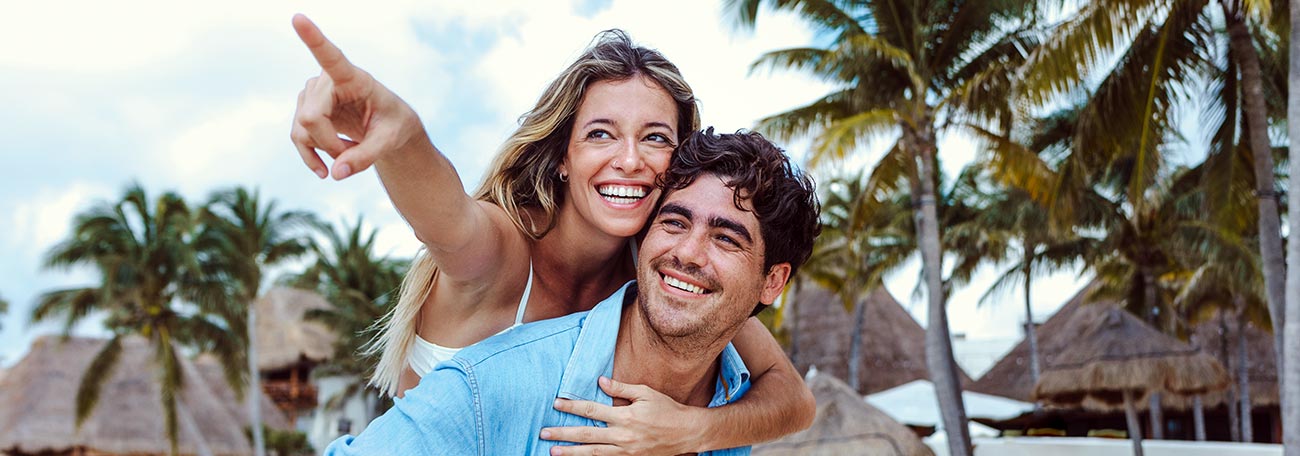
(685, 370)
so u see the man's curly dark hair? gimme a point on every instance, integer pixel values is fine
(783, 197)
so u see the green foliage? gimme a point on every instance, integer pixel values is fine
(284, 443)
(151, 284)
(362, 289)
(239, 236)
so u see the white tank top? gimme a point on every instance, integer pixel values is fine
(425, 355)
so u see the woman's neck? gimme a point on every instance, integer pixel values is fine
(577, 265)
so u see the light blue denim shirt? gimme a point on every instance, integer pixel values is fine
(493, 398)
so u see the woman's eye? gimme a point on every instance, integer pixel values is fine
(599, 134)
(659, 137)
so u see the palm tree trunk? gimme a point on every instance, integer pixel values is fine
(196, 435)
(1198, 417)
(855, 344)
(1149, 294)
(254, 395)
(1270, 225)
(1290, 382)
(1243, 376)
(1134, 428)
(1031, 333)
(1234, 420)
(938, 342)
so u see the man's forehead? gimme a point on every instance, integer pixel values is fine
(706, 195)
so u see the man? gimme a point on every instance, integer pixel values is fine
(735, 223)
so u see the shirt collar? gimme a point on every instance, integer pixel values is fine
(733, 377)
(593, 356)
(593, 353)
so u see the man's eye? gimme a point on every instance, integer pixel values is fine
(728, 240)
(674, 223)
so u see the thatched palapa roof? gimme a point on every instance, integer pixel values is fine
(210, 369)
(893, 344)
(1010, 376)
(846, 425)
(284, 339)
(1114, 352)
(40, 391)
(1218, 337)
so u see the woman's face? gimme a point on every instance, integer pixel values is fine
(623, 136)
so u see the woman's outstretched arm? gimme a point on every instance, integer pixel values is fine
(385, 132)
(778, 403)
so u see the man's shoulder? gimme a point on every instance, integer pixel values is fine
(556, 334)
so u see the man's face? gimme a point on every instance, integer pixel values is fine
(701, 263)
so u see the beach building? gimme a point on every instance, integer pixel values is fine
(290, 347)
(1011, 378)
(845, 425)
(39, 394)
(893, 344)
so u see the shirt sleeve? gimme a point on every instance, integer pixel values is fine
(440, 416)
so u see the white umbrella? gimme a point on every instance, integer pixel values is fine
(914, 403)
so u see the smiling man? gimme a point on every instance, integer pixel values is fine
(735, 223)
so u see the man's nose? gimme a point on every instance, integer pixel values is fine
(692, 250)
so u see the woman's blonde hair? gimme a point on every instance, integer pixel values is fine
(525, 174)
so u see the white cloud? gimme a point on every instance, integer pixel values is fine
(197, 96)
(42, 220)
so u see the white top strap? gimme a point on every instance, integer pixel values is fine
(523, 300)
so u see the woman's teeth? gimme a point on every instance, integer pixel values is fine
(621, 194)
(680, 285)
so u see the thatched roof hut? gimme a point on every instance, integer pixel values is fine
(1114, 352)
(284, 339)
(210, 369)
(1217, 336)
(893, 344)
(1010, 376)
(39, 395)
(846, 425)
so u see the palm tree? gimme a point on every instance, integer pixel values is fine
(241, 235)
(148, 267)
(362, 288)
(1162, 45)
(4, 308)
(1290, 374)
(914, 69)
(860, 242)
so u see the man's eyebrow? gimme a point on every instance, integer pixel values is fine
(732, 225)
(674, 208)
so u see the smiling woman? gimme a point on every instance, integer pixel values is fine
(548, 233)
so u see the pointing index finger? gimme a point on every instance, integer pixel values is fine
(328, 55)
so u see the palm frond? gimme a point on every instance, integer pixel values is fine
(93, 379)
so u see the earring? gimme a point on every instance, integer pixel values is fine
(564, 177)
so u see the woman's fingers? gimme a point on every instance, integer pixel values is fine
(586, 409)
(328, 55)
(307, 151)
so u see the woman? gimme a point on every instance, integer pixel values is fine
(547, 234)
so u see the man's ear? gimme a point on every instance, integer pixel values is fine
(774, 283)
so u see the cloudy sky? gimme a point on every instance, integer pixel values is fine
(197, 96)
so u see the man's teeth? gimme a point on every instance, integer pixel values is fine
(622, 194)
(680, 285)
